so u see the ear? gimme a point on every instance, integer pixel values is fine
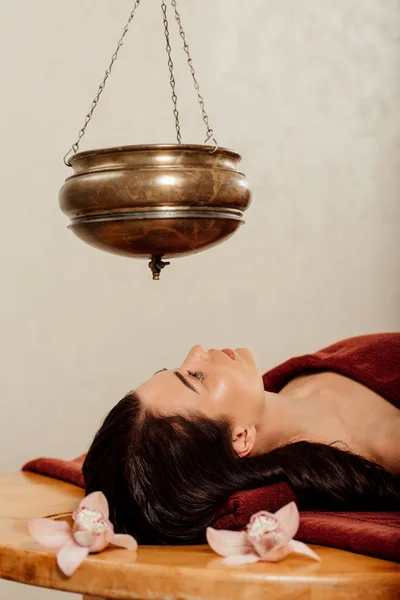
(244, 439)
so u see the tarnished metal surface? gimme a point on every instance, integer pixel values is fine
(155, 201)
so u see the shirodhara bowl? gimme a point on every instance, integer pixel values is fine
(155, 201)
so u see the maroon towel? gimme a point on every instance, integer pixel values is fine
(374, 361)
(66, 470)
(371, 533)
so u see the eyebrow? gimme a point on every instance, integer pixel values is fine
(186, 382)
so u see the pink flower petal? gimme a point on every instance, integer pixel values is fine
(100, 541)
(269, 542)
(96, 501)
(83, 537)
(228, 543)
(241, 559)
(277, 554)
(70, 556)
(289, 519)
(48, 533)
(262, 523)
(124, 541)
(300, 548)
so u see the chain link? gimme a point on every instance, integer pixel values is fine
(75, 147)
(210, 131)
(171, 72)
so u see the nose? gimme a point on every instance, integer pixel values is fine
(196, 352)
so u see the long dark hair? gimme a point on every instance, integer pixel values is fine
(165, 478)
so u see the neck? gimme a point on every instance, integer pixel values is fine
(285, 419)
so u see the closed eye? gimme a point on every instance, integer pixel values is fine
(197, 375)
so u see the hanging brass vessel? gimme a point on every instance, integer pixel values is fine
(155, 201)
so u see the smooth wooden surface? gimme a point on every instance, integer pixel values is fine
(176, 573)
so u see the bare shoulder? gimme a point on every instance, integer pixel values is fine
(385, 442)
(363, 420)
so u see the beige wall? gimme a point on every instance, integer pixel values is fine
(307, 91)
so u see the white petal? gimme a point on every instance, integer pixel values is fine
(49, 533)
(124, 541)
(228, 543)
(289, 519)
(277, 554)
(96, 501)
(300, 548)
(83, 537)
(70, 556)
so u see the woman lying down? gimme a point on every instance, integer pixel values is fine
(171, 453)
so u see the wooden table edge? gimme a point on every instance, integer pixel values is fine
(40, 569)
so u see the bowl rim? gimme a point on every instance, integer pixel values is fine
(218, 150)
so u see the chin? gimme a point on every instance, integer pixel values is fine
(246, 354)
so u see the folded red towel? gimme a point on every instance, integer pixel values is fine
(66, 470)
(371, 533)
(374, 361)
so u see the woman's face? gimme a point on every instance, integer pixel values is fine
(216, 383)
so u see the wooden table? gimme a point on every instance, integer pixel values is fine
(172, 573)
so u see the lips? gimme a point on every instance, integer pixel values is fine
(229, 353)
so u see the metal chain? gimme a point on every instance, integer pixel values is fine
(210, 131)
(171, 73)
(75, 147)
